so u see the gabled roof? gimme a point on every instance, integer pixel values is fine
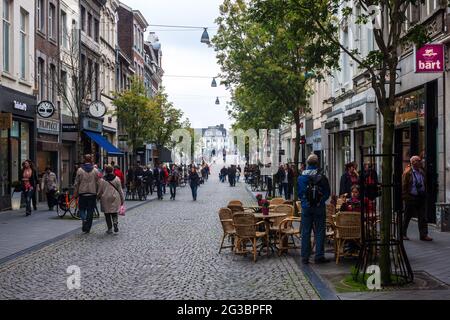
(140, 18)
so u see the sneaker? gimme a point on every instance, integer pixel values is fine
(305, 260)
(405, 238)
(426, 238)
(109, 231)
(116, 229)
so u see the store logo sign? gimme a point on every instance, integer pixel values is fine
(48, 126)
(430, 58)
(20, 106)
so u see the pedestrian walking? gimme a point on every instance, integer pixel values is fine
(414, 196)
(173, 182)
(166, 178)
(30, 184)
(194, 182)
(314, 191)
(111, 198)
(158, 175)
(86, 187)
(50, 187)
(148, 179)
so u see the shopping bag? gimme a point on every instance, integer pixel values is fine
(122, 210)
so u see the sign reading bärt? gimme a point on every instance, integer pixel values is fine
(430, 58)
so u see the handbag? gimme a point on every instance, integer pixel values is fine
(122, 210)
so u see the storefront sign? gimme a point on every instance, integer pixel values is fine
(430, 58)
(332, 124)
(123, 137)
(70, 128)
(20, 106)
(94, 125)
(46, 109)
(353, 117)
(48, 126)
(5, 120)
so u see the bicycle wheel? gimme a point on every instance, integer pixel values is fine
(73, 209)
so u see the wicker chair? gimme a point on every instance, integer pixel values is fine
(235, 203)
(247, 230)
(276, 201)
(282, 208)
(235, 208)
(330, 223)
(288, 230)
(226, 219)
(290, 202)
(348, 227)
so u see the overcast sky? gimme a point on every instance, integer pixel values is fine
(184, 55)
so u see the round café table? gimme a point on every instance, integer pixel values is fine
(266, 219)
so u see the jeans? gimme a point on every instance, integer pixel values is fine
(313, 217)
(28, 199)
(287, 191)
(159, 190)
(164, 188)
(87, 206)
(173, 189)
(194, 188)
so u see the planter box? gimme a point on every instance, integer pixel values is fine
(16, 200)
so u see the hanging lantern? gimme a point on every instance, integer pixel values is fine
(214, 83)
(205, 37)
(217, 100)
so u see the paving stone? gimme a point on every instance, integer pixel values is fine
(164, 250)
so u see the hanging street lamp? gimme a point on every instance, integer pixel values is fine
(214, 83)
(205, 37)
(217, 100)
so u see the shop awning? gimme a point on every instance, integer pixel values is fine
(104, 144)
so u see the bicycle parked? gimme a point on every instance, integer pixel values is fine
(68, 203)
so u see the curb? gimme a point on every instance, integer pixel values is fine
(321, 287)
(60, 237)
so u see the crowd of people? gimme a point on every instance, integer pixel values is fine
(109, 186)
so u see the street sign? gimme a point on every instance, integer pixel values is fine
(282, 152)
(123, 137)
(48, 126)
(70, 128)
(5, 120)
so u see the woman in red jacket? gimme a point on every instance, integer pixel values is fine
(119, 174)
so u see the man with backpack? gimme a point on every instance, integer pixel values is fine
(313, 191)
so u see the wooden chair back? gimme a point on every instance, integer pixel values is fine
(282, 208)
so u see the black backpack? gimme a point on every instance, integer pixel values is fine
(313, 193)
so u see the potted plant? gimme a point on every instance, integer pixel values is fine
(259, 198)
(16, 195)
(265, 207)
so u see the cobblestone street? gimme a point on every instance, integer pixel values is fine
(165, 250)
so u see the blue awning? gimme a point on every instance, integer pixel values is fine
(105, 144)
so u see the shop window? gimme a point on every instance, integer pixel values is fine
(4, 163)
(15, 130)
(24, 141)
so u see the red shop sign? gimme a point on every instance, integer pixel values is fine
(430, 58)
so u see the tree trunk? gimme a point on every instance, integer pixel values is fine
(296, 158)
(386, 206)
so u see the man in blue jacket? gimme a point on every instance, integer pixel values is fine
(313, 191)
